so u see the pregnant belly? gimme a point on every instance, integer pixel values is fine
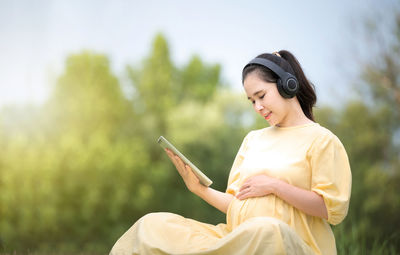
(270, 206)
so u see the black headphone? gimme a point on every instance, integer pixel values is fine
(287, 83)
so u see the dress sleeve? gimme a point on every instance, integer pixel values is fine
(234, 175)
(331, 176)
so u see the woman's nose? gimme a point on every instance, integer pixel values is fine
(258, 106)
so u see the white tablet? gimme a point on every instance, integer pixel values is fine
(202, 177)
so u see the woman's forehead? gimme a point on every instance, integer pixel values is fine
(253, 84)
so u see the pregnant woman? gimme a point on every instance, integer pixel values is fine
(288, 183)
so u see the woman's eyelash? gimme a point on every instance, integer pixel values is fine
(261, 97)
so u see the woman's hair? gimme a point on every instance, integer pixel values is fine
(288, 62)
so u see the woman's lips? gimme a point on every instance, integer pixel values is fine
(268, 116)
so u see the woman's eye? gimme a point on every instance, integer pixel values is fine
(261, 97)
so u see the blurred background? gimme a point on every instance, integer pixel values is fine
(87, 87)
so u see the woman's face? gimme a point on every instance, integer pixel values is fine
(266, 99)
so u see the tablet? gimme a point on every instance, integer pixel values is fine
(202, 177)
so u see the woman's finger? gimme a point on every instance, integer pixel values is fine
(180, 162)
(175, 160)
(245, 192)
(246, 183)
(170, 154)
(243, 195)
(244, 186)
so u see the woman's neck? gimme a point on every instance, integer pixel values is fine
(295, 117)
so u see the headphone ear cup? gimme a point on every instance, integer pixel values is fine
(281, 89)
(290, 86)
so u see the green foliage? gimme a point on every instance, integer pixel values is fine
(198, 81)
(87, 97)
(71, 165)
(154, 82)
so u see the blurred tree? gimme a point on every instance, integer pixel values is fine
(159, 86)
(381, 82)
(67, 182)
(198, 82)
(154, 86)
(87, 97)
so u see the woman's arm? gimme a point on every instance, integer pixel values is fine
(307, 201)
(218, 199)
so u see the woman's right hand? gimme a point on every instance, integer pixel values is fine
(190, 179)
(219, 200)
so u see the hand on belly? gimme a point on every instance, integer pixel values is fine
(257, 186)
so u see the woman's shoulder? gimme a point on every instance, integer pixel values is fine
(322, 131)
(326, 133)
(324, 137)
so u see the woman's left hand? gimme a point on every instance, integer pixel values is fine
(190, 179)
(257, 186)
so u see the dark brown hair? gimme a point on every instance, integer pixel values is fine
(288, 62)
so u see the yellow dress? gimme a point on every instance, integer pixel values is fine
(307, 156)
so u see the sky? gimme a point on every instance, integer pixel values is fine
(37, 36)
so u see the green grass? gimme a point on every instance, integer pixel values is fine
(350, 243)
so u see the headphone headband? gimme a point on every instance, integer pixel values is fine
(268, 64)
(287, 83)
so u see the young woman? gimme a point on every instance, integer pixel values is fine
(288, 181)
